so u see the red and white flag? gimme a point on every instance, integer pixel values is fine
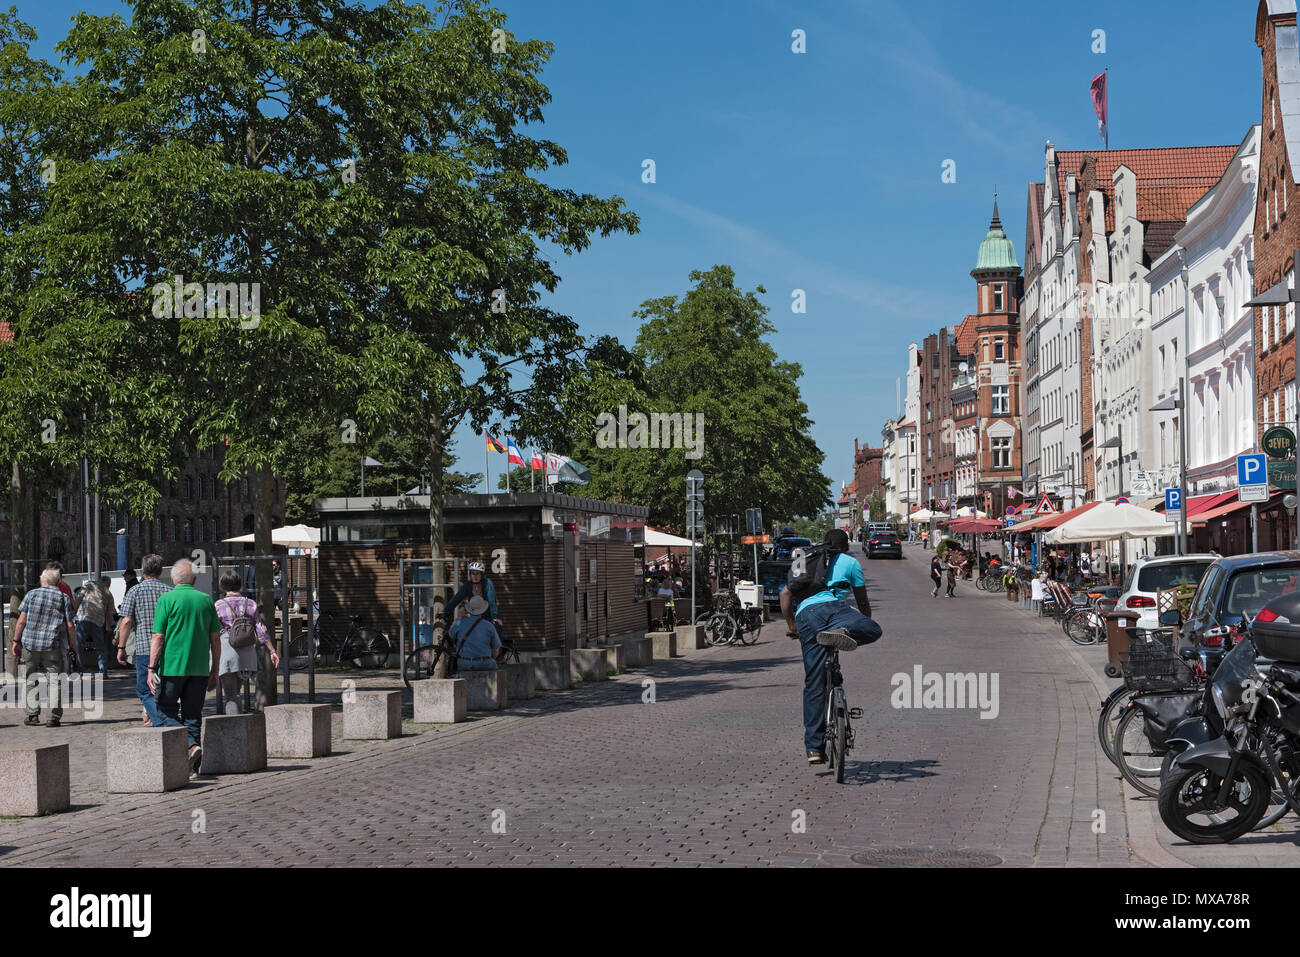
(537, 460)
(1014, 492)
(1099, 105)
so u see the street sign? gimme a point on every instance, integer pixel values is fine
(1121, 501)
(754, 521)
(1252, 477)
(1173, 504)
(756, 540)
(1278, 442)
(1281, 474)
(1045, 506)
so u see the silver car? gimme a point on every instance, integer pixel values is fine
(1150, 575)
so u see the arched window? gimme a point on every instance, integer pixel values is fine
(203, 480)
(203, 530)
(173, 529)
(112, 521)
(189, 531)
(187, 487)
(158, 532)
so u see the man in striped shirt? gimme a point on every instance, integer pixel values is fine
(137, 613)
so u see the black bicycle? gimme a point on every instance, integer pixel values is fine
(839, 729)
(422, 660)
(360, 647)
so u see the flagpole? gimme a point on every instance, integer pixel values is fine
(531, 473)
(507, 465)
(485, 466)
(1106, 128)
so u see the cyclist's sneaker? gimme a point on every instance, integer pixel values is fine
(196, 760)
(816, 757)
(837, 638)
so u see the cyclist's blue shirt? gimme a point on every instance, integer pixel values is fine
(480, 640)
(844, 575)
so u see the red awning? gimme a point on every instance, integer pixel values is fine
(1203, 503)
(1045, 522)
(1206, 516)
(965, 525)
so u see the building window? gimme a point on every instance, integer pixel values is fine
(1002, 453)
(998, 349)
(172, 529)
(187, 487)
(997, 298)
(1000, 400)
(189, 531)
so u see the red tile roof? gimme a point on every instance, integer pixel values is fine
(966, 336)
(1170, 179)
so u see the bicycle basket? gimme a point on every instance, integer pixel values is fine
(1148, 672)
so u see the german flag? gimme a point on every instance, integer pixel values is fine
(493, 444)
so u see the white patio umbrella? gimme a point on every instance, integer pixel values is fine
(655, 537)
(923, 515)
(290, 536)
(1108, 521)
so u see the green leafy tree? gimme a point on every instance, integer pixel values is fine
(815, 527)
(876, 506)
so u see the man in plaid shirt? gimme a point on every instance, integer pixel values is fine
(44, 624)
(137, 612)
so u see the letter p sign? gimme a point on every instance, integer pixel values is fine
(1251, 469)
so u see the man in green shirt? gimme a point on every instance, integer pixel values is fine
(184, 656)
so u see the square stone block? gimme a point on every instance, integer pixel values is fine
(373, 716)
(551, 672)
(690, 638)
(521, 680)
(234, 743)
(615, 658)
(440, 700)
(147, 760)
(588, 664)
(297, 731)
(485, 690)
(663, 643)
(35, 780)
(640, 652)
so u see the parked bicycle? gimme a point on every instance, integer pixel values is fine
(728, 621)
(361, 647)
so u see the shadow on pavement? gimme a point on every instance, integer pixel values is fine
(873, 772)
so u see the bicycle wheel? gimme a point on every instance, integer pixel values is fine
(747, 633)
(1112, 709)
(1135, 755)
(979, 582)
(840, 734)
(300, 653)
(1082, 628)
(719, 629)
(378, 648)
(420, 662)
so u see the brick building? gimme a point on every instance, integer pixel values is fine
(1276, 236)
(938, 360)
(868, 472)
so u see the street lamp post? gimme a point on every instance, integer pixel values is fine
(1117, 443)
(1168, 404)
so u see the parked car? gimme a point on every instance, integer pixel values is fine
(785, 546)
(773, 576)
(1150, 575)
(884, 543)
(1237, 587)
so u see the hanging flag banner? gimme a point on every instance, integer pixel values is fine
(537, 463)
(1098, 90)
(493, 444)
(514, 457)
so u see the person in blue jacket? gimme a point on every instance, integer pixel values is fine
(476, 584)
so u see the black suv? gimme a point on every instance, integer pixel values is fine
(881, 542)
(1238, 587)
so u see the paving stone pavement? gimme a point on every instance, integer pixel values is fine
(712, 772)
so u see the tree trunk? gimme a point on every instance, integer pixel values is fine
(17, 526)
(262, 501)
(437, 533)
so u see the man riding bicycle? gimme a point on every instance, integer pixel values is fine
(825, 619)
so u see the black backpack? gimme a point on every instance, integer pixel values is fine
(809, 571)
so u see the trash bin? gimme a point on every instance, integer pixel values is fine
(1117, 623)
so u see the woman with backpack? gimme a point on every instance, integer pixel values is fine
(241, 632)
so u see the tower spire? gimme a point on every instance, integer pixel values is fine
(996, 223)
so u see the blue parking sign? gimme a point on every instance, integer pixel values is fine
(1173, 500)
(1252, 469)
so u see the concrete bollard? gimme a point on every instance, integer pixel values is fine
(690, 638)
(485, 690)
(148, 760)
(234, 743)
(663, 644)
(521, 681)
(615, 658)
(440, 700)
(588, 664)
(35, 780)
(640, 652)
(298, 730)
(551, 672)
(372, 716)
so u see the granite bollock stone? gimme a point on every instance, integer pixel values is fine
(691, 638)
(298, 730)
(521, 680)
(440, 700)
(663, 644)
(485, 690)
(640, 652)
(551, 672)
(35, 780)
(234, 743)
(372, 715)
(615, 658)
(148, 760)
(588, 664)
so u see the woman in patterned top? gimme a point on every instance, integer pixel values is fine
(237, 663)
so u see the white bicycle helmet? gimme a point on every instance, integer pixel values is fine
(476, 567)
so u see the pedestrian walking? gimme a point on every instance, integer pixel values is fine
(936, 574)
(184, 656)
(137, 614)
(90, 624)
(952, 577)
(239, 664)
(44, 625)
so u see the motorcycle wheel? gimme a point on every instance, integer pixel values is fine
(1188, 798)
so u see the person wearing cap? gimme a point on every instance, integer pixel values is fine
(476, 584)
(475, 638)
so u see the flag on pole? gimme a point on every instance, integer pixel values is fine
(514, 457)
(493, 444)
(1099, 106)
(1014, 492)
(561, 468)
(537, 463)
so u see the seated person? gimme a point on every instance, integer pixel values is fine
(475, 638)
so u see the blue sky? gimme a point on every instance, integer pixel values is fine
(821, 171)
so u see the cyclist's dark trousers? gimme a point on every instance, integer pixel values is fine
(810, 622)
